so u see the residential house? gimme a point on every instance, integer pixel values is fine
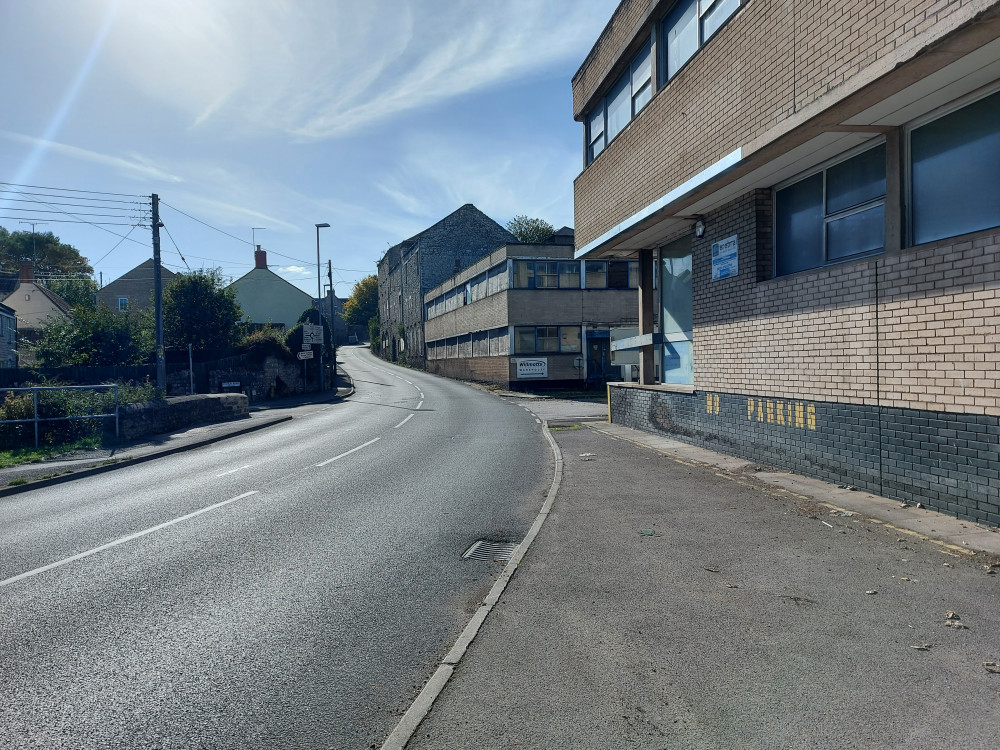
(819, 185)
(8, 337)
(133, 290)
(530, 315)
(34, 306)
(412, 268)
(268, 299)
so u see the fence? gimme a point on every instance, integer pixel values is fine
(16, 377)
(37, 420)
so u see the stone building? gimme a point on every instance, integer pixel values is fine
(529, 315)
(410, 269)
(819, 186)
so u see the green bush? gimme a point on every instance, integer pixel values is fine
(267, 342)
(57, 404)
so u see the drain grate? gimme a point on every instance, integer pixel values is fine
(486, 550)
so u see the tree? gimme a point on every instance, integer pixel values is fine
(93, 337)
(49, 256)
(199, 309)
(77, 292)
(362, 305)
(530, 230)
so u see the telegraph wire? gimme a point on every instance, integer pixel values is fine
(175, 244)
(72, 190)
(221, 231)
(116, 245)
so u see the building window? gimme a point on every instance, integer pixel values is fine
(122, 304)
(618, 274)
(569, 274)
(596, 274)
(954, 163)
(688, 26)
(546, 274)
(833, 215)
(546, 339)
(630, 93)
(524, 274)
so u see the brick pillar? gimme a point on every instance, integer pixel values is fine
(647, 370)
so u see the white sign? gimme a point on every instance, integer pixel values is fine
(306, 347)
(312, 334)
(234, 384)
(305, 355)
(725, 258)
(536, 367)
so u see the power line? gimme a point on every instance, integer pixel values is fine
(71, 190)
(162, 203)
(117, 244)
(175, 244)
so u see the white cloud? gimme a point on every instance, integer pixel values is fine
(135, 166)
(317, 69)
(295, 271)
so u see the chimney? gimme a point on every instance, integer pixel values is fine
(260, 258)
(27, 273)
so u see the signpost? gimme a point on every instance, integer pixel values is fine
(305, 355)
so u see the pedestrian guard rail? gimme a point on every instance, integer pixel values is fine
(103, 405)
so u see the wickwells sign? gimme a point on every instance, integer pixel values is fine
(532, 367)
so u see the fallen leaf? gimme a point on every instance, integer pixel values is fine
(731, 586)
(650, 532)
(871, 592)
(952, 620)
(992, 666)
(713, 570)
(923, 647)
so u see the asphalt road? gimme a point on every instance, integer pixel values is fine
(288, 588)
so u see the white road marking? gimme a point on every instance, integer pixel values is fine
(122, 540)
(403, 422)
(347, 453)
(420, 404)
(232, 471)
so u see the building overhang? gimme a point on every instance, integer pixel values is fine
(963, 64)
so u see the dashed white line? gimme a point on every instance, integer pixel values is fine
(122, 540)
(347, 453)
(403, 422)
(232, 471)
(420, 404)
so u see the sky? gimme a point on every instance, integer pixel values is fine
(255, 120)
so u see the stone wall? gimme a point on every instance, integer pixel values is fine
(140, 420)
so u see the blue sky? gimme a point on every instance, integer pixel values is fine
(379, 117)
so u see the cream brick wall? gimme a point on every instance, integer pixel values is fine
(772, 60)
(934, 343)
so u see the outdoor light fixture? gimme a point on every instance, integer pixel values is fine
(699, 228)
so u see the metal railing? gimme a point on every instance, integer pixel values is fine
(37, 419)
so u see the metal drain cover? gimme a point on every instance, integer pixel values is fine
(486, 550)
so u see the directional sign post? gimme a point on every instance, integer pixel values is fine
(305, 355)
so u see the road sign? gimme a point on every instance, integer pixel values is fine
(306, 347)
(312, 334)
(305, 355)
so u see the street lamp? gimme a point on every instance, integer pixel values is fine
(319, 303)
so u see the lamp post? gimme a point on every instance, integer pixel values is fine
(319, 302)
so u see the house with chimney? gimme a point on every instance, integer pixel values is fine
(33, 306)
(268, 299)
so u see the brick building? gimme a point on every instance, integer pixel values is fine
(410, 269)
(530, 314)
(819, 186)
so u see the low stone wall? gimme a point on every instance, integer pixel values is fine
(140, 420)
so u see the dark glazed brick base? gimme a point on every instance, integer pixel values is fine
(948, 462)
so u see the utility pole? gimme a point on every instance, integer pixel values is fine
(333, 327)
(161, 362)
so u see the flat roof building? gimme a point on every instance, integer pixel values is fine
(818, 185)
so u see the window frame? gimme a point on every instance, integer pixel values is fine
(828, 218)
(936, 114)
(647, 48)
(558, 338)
(123, 307)
(702, 8)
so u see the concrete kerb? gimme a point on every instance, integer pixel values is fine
(424, 701)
